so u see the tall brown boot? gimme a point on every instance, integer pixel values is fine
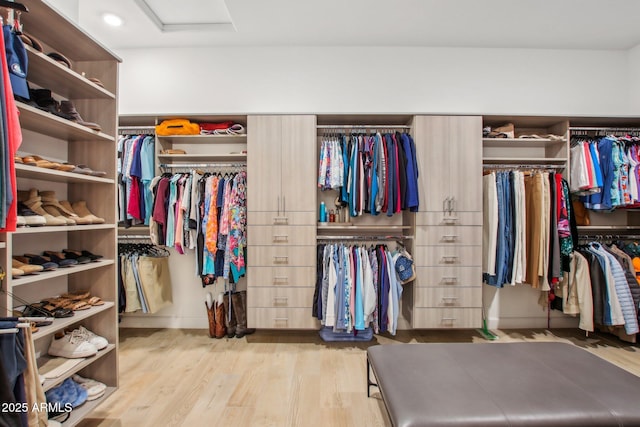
(212, 319)
(230, 315)
(221, 330)
(240, 305)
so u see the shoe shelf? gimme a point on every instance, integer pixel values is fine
(202, 139)
(521, 142)
(208, 157)
(62, 228)
(35, 172)
(47, 73)
(62, 271)
(39, 121)
(51, 383)
(79, 413)
(77, 317)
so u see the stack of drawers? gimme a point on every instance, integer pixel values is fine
(448, 256)
(282, 270)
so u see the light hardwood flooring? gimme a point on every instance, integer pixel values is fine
(172, 377)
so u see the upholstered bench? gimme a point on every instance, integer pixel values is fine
(502, 384)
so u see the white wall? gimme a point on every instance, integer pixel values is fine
(378, 80)
(633, 58)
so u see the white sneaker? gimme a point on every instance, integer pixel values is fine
(95, 389)
(98, 341)
(72, 346)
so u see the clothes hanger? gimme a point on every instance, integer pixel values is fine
(14, 5)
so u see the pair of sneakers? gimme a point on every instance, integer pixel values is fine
(77, 343)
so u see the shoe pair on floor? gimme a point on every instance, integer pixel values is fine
(33, 204)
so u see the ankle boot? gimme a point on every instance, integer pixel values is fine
(81, 209)
(212, 320)
(230, 315)
(220, 330)
(46, 102)
(68, 108)
(240, 305)
(77, 218)
(51, 205)
(34, 203)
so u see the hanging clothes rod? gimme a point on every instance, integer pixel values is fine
(604, 129)
(522, 166)
(609, 237)
(203, 165)
(364, 237)
(134, 237)
(136, 127)
(363, 127)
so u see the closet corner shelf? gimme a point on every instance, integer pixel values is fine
(78, 316)
(202, 139)
(210, 157)
(521, 142)
(36, 120)
(46, 72)
(34, 172)
(524, 160)
(51, 383)
(66, 271)
(63, 228)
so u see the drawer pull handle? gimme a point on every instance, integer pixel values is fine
(281, 237)
(450, 237)
(449, 319)
(282, 259)
(283, 279)
(281, 319)
(450, 280)
(449, 298)
(281, 220)
(280, 299)
(450, 259)
(449, 219)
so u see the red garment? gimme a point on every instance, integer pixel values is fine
(133, 207)
(589, 163)
(215, 126)
(14, 139)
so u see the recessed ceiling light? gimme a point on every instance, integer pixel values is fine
(111, 19)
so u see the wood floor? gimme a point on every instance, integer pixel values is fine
(171, 377)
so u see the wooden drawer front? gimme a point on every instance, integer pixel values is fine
(458, 218)
(272, 218)
(448, 276)
(447, 318)
(427, 235)
(281, 235)
(448, 297)
(282, 256)
(281, 297)
(281, 318)
(470, 256)
(281, 276)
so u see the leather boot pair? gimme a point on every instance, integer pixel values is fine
(239, 300)
(46, 102)
(215, 316)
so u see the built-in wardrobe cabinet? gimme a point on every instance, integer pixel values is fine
(448, 237)
(281, 221)
(61, 140)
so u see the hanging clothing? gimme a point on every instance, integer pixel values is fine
(376, 173)
(136, 170)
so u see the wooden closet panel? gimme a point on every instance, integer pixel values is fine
(299, 164)
(272, 218)
(450, 276)
(432, 148)
(440, 218)
(282, 318)
(449, 235)
(285, 256)
(447, 318)
(448, 256)
(281, 297)
(465, 150)
(449, 297)
(281, 235)
(282, 276)
(264, 163)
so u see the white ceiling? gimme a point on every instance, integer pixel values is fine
(546, 24)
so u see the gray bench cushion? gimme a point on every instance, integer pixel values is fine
(503, 384)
